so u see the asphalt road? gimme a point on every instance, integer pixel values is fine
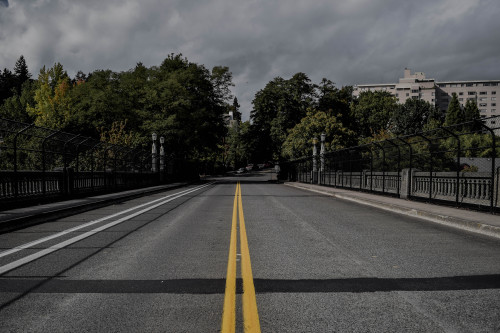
(319, 264)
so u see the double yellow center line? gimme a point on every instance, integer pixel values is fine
(250, 313)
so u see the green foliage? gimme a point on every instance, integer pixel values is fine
(235, 108)
(118, 135)
(15, 106)
(412, 116)
(299, 140)
(455, 114)
(471, 114)
(373, 111)
(21, 72)
(11, 83)
(335, 102)
(222, 80)
(277, 108)
(53, 105)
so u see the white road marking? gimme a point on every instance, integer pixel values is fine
(39, 254)
(62, 233)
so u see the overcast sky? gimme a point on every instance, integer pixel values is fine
(346, 41)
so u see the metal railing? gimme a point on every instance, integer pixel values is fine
(40, 164)
(456, 165)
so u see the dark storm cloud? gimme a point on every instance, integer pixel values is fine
(4, 3)
(349, 42)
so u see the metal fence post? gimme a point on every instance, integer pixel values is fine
(493, 158)
(399, 164)
(410, 166)
(457, 181)
(431, 169)
(383, 165)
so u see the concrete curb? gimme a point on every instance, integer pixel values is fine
(34, 217)
(452, 221)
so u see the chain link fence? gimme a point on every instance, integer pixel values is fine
(456, 165)
(41, 164)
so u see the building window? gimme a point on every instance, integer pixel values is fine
(482, 110)
(414, 91)
(407, 94)
(433, 93)
(442, 85)
(461, 99)
(493, 110)
(483, 104)
(493, 98)
(483, 93)
(483, 99)
(493, 92)
(470, 84)
(486, 84)
(494, 84)
(493, 104)
(397, 95)
(471, 93)
(460, 93)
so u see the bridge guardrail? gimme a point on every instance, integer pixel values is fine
(41, 164)
(456, 165)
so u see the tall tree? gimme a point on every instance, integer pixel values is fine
(7, 84)
(471, 113)
(454, 114)
(222, 80)
(411, 117)
(336, 102)
(299, 140)
(236, 110)
(15, 107)
(52, 100)
(277, 108)
(373, 111)
(21, 72)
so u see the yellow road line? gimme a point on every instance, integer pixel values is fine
(229, 314)
(250, 314)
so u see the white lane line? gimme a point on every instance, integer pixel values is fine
(39, 254)
(62, 233)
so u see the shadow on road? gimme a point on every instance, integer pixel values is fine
(217, 286)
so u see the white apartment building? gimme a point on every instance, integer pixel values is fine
(417, 86)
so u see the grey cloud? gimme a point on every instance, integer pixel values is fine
(349, 42)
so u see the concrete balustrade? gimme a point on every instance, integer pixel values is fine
(473, 187)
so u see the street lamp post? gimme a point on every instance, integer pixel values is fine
(315, 154)
(153, 154)
(162, 159)
(322, 157)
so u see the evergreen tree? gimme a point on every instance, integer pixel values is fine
(236, 110)
(7, 83)
(471, 111)
(21, 72)
(455, 114)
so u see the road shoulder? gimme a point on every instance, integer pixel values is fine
(473, 221)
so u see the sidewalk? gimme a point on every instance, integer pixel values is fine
(23, 217)
(478, 222)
